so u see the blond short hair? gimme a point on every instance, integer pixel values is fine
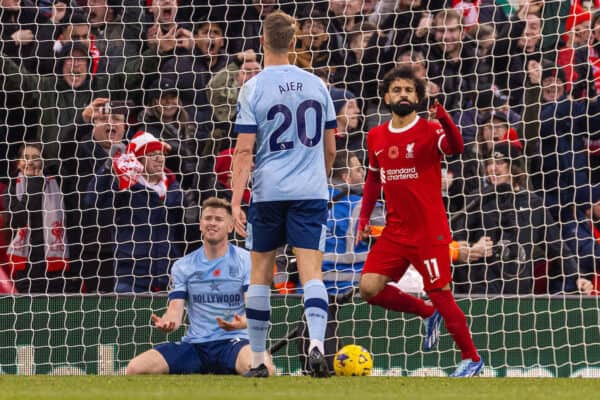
(215, 202)
(279, 29)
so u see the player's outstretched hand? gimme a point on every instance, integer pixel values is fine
(239, 221)
(238, 322)
(163, 324)
(363, 232)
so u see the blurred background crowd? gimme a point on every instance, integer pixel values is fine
(116, 122)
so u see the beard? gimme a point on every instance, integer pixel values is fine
(402, 109)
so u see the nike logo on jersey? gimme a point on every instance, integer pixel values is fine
(378, 152)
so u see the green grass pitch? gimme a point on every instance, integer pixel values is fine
(198, 387)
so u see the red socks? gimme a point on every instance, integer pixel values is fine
(394, 299)
(455, 322)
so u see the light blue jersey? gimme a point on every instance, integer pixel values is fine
(289, 110)
(211, 288)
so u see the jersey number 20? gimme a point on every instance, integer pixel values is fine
(275, 145)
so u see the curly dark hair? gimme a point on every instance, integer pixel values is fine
(403, 73)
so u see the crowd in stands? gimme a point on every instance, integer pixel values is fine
(116, 121)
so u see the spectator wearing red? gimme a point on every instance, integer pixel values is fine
(594, 55)
(6, 282)
(478, 12)
(574, 53)
(148, 217)
(72, 27)
(38, 253)
(110, 34)
(469, 10)
(223, 171)
(594, 61)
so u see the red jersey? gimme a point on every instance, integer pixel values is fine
(409, 163)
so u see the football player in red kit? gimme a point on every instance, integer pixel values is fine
(405, 158)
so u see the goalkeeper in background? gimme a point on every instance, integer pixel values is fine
(210, 284)
(405, 159)
(290, 116)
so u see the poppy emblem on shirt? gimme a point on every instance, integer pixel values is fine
(410, 150)
(216, 272)
(393, 152)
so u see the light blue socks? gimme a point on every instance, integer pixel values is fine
(258, 314)
(316, 302)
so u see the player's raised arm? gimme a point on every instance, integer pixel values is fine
(453, 142)
(242, 165)
(172, 318)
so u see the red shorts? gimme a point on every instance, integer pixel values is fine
(393, 259)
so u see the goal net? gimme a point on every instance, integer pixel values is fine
(90, 224)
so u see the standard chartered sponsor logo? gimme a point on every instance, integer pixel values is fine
(398, 174)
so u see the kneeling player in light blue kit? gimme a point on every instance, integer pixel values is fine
(288, 115)
(210, 284)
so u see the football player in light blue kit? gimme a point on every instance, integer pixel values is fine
(210, 284)
(289, 115)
